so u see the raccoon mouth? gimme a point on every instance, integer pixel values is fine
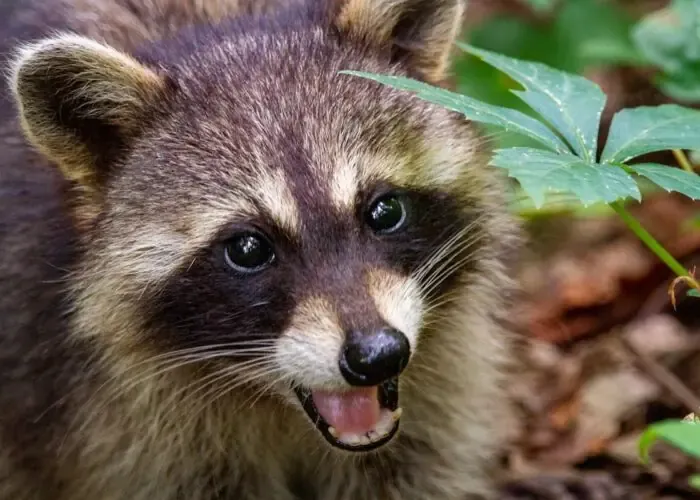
(361, 419)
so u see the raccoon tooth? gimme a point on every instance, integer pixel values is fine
(397, 414)
(333, 432)
(351, 439)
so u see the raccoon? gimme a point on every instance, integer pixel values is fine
(231, 270)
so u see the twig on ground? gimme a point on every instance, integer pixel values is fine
(663, 376)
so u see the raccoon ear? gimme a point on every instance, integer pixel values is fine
(80, 102)
(423, 31)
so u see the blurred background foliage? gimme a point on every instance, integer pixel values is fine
(641, 52)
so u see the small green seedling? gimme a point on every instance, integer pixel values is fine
(682, 434)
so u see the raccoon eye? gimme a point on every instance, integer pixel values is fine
(387, 214)
(248, 252)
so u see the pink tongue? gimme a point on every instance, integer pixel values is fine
(351, 412)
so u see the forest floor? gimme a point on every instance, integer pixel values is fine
(604, 354)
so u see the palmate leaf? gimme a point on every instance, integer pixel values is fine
(538, 171)
(645, 129)
(509, 119)
(572, 104)
(670, 179)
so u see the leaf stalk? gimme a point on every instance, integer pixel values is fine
(683, 160)
(650, 241)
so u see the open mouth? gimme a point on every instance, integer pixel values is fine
(361, 419)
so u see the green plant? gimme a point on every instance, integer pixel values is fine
(683, 434)
(669, 39)
(563, 158)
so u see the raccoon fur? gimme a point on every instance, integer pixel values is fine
(231, 271)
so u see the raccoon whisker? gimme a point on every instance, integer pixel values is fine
(227, 318)
(433, 312)
(431, 308)
(445, 248)
(198, 385)
(212, 347)
(449, 265)
(121, 390)
(455, 245)
(267, 388)
(189, 352)
(443, 274)
(467, 234)
(439, 252)
(205, 401)
(228, 370)
(438, 279)
(124, 386)
(184, 360)
(426, 368)
(325, 457)
(221, 373)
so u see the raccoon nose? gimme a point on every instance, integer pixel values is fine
(370, 359)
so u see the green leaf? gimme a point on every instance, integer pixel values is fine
(693, 293)
(647, 129)
(570, 103)
(509, 119)
(695, 482)
(539, 171)
(478, 80)
(669, 39)
(683, 435)
(611, 53)
(683, 88)
(670, 178)
(596, 31)
(524, 39)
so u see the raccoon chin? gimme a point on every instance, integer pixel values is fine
(358, 420)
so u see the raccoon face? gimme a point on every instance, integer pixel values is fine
(247, 208)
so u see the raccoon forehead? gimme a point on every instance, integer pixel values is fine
(286, 105)
(281, 156)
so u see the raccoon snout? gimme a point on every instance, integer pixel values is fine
(368, 359)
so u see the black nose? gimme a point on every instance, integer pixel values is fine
(372, 358)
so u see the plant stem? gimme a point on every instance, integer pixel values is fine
(649, 240)
(683, 160)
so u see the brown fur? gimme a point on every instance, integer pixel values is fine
(164, 140)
